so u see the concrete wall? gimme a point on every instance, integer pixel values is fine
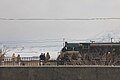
(60, 73)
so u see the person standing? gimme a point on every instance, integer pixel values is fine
(2, 56)
(13, 58)
(42, 59)
(18, 59)
(47, 57)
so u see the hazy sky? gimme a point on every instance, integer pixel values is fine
(57, 9)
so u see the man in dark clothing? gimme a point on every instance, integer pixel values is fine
(42, 59)
(42, 56)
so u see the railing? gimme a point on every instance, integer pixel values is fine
(26, 61)
(35, 61)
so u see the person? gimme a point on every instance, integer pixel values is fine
(47, 56)
(0, 59)
(2, 56)
(18, 59)
(58, 59)
(42, 59)
(13, 58)
(44, 56)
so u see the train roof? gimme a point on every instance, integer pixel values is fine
(91, 44)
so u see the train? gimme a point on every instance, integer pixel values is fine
(89, 51)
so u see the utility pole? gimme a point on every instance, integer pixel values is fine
(63, 42)
(111, 40)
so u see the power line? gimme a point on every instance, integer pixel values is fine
(55, 19)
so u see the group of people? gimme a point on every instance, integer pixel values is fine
(14, 59)
(43, 58)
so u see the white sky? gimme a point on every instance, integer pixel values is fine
(33, 30)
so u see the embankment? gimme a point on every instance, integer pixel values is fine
(60, 73)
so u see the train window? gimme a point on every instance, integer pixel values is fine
(86, 46)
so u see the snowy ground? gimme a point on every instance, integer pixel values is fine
(32, 49)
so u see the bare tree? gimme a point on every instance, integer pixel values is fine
(5, 49)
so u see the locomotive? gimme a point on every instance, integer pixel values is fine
(90, 51)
